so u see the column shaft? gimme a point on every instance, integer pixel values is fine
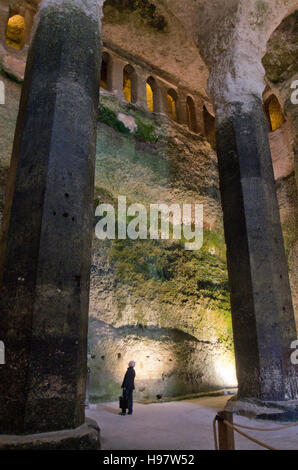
(181, 109)
(162, 99)
(263, 318)
(141, 90)
(47, 228)
(116, 81)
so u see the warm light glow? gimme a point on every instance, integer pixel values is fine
(15, 31)
(152, 363)
(275, 114)
(225, 371)
(172, 112)
(127, 87)
(149, 93)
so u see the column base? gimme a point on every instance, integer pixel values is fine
(284, 411)
(85, 437)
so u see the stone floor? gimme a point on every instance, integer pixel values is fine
(182, 425)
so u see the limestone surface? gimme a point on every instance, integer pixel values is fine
(175, 304)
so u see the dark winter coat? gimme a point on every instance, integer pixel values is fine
(129, 379)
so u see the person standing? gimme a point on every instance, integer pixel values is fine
(128, 386)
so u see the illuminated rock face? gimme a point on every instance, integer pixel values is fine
(168, 362)
(160, 302)
(152, 301)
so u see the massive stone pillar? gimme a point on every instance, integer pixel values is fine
(232, 39)
(47, 231)
(262, 311)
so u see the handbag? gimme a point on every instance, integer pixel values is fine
(123, 403)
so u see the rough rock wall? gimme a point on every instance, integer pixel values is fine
(152, 301)
(167, 48)
(146, 29)
(167, 307)
(281, 65)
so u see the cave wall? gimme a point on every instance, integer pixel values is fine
(153, 302)
(281, 65)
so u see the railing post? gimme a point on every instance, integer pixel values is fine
(225, 433)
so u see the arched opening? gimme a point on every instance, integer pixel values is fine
(129, 84)
(15, 32)
(209, 126)
(150, 97)
(172, 99)
(104, 77)
(151, 94)
(191, 114)
(274, 113)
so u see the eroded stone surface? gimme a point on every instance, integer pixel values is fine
(14, 67)
(45, 287)
(263, 318)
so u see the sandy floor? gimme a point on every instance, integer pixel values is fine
(183, 425)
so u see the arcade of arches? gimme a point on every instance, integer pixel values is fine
(173, 126)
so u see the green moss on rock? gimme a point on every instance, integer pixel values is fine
(145, 132)
(109, 117)
(169, 276)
